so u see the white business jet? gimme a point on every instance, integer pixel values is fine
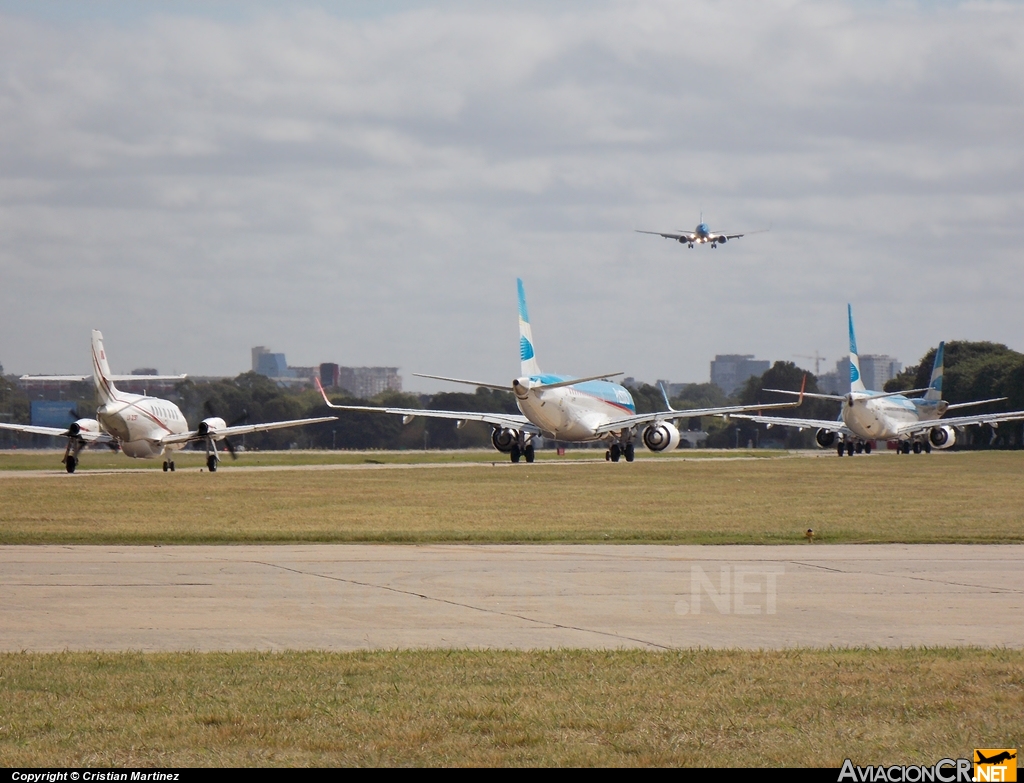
(142, 427)
(867, 416)
(564, 408)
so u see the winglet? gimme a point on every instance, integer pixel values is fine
(324, 394)
(664, 395)
(803, 385)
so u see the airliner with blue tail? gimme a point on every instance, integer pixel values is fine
(564, 408)
(915, 423)
(702, 235)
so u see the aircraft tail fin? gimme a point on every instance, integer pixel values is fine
(856, 383)
(935, 384)
(105, 389)
(527, 357)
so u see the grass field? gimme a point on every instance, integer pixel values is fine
(567, 708)
(955, 497)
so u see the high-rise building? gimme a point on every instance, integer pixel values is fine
(875, 370)
(730, 371)
(365, 382)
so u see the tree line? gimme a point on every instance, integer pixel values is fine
(973, 371)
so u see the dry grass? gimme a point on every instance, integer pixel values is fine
(695, 708)
(967, 497)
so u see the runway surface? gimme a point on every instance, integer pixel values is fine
(340, 597)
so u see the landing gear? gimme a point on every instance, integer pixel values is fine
(860, 447)
(867, 447)
(168, 466)
(629, 452)
(917, 447)
(841, 448)
(905, 447)
(528, 452)
(70, 463)
(927, 447)
(211, 463)
(615, 451)
(849, 449)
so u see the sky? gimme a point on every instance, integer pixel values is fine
(363, 182)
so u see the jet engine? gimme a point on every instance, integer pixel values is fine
(722, 239)
(662, 436)
(825, 438)
(503, 440)
(942, 437)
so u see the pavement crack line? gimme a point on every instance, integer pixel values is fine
(894, 575)
(462, 605)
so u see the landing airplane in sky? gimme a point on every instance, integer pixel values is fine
(702, 235)
(144, 427)
(866, 416)
(564, 408)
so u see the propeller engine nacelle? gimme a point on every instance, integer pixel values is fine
(210, 426)
(825, 438)
(942, 437)
(83, 425)
(662, 436)
(503, 440)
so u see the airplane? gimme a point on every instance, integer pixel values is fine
(702, 235)
(140, 426)
(866, 416)
(561, 407)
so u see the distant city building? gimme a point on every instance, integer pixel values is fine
(875, 371)
(360, 381)
(329, 375)
(367, 382)
(730, 371)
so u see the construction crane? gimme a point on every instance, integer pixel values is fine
(818, 359)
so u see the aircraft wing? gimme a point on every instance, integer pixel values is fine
(115, 378)
(830, 425)
(506, 420)
(727, 410)
(59, 432)
(961, 421)
(243, 429)
(689, 236)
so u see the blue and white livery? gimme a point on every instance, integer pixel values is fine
(561, 407)
(701, 235)
(869, 416)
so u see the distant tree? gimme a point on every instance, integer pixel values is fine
(975, 371)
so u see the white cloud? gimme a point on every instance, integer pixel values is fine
(365, 188)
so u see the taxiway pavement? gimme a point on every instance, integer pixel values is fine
(354, 597)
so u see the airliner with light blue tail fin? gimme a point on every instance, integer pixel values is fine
(564, 408)
(915, 423)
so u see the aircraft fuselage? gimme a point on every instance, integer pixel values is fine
(880, 418)
(140, 423)
(572, 413)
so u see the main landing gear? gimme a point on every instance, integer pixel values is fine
(617, 451)
(71, 454)
(849, 447)
(211, 463)
(526, 452)
(168, 465)
(905, 446)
